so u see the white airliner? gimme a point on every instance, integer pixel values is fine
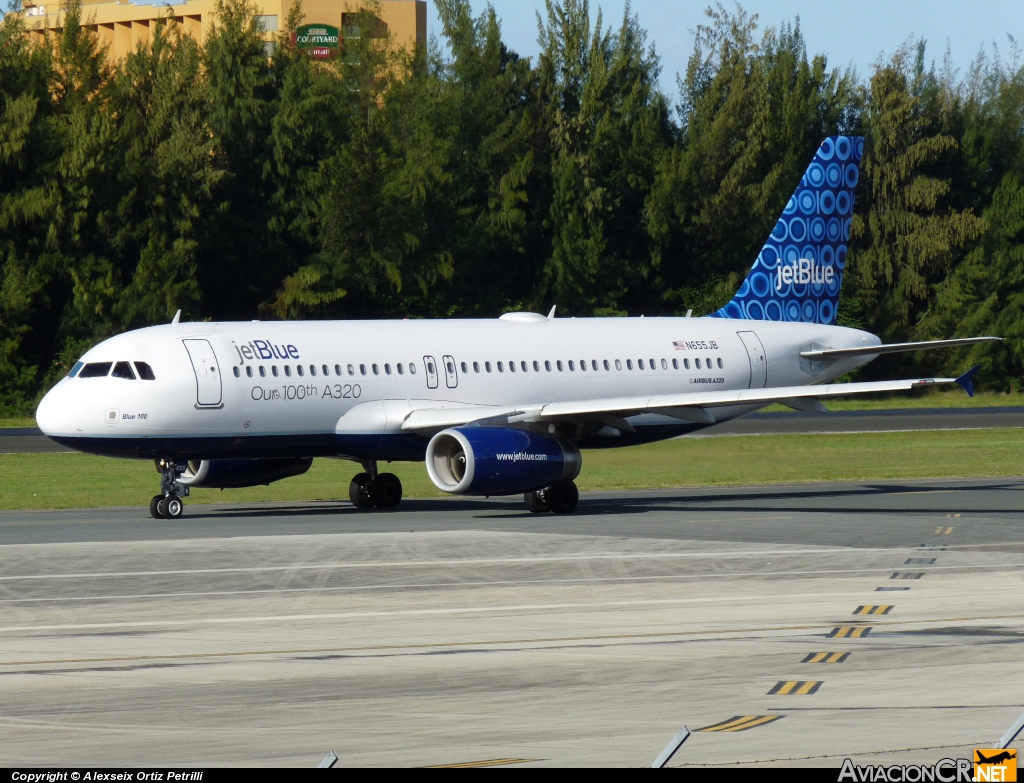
(494, 407)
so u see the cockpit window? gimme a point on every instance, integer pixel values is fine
(95, 370)
(145, 371)
(123, 370)
(74, 370)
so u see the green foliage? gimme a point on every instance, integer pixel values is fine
(460, 179)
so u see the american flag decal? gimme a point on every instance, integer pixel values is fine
(679, 345)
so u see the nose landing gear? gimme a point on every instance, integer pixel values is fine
(168, 504)
(369, 489)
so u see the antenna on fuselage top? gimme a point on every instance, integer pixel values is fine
(177, 317)
(551, 315)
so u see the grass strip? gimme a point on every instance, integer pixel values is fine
(40, 481)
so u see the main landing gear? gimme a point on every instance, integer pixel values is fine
(560, 498)
(371, 488)
(168, 504)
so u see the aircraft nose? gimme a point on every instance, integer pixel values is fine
(54, 414)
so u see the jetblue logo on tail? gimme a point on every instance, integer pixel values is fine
(802, 272)
(799, 271)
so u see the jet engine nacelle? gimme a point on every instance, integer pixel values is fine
(499, 461)
(233, 473)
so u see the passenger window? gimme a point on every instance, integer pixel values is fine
(664, 364)
(696, 363)
(450, 367)
(263, 371)
(639, 363)
(430, 368)
(606, 365)
(362, 369)
(465, 367)
(522, 366)
(547, 365)
(709, 363)
(500, 368)
(248, 371)
(376, 369)
(400, 368)
(412, 368)
(536, 366)
(511, 366)
(654, 365)
(237, 373)
(686, 363)
(618, 365)
(476, 366)
(720, 365)
(123, 370)
(95, 370)
(299, 370)
(583, 364)
(487, 366)
(74, 370)
(387, 369)
(312, 369)
(593, 365)
(337, 369)
(572, 366)
(273, 370)
(287, 371)
(326, 371)
(629, 364)
(675, 364)
(351, 370)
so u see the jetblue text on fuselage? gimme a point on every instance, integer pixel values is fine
(803, 271)
(264, 349)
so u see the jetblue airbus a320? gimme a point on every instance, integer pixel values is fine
(494, 407)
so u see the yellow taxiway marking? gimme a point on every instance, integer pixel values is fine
(795, 688)
(483, 763)
(878, 609)
(741, 723)
(849, 632)
(826, 657)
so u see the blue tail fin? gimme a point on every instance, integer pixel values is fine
(799, 271)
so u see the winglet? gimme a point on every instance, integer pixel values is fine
(177, 317)
(551, 315)
(967, 380)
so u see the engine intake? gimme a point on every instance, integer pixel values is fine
(234, 473)
(499, 461)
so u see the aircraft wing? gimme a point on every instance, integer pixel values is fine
(873, 350)
(693, 406)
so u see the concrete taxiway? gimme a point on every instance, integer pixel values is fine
(469, 631)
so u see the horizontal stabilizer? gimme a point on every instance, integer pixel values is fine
(967, 380)
(875, 350)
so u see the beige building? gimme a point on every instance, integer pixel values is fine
(123, 25)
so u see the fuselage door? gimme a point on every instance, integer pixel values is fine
(758, 360)
(431, 367)
(451, 375)
(204, 362)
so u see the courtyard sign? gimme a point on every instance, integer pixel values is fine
(317, 40)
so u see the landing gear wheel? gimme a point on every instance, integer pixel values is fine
(173, 507)
(154, 507)
(562, 497)
(359, 491)
(386, 490)
(535, 503)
